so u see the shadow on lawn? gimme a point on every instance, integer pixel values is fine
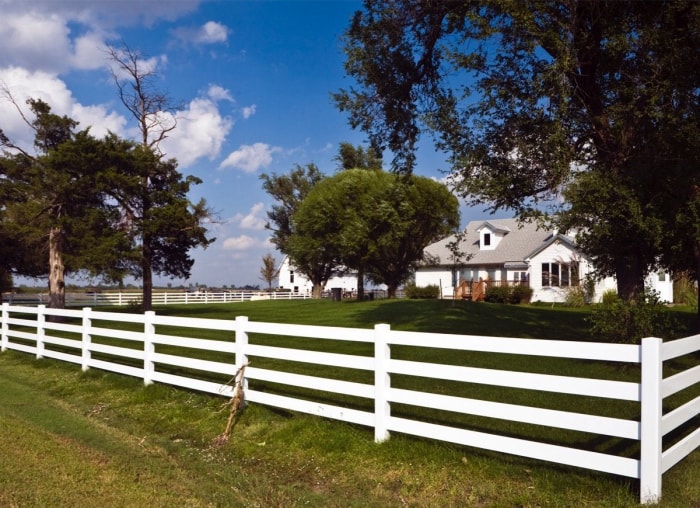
(478, 318)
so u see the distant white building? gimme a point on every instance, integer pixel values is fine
(294, 281)
(504, 251)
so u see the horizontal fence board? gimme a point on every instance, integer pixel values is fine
(321, 358)
(680, 415)
(622, 390)
(192, 343)
(532, 347)
(71, 313)
(63, 327)
(22, 322)
(193, 384)
(64, 357)
(120, 318)
(314, 408)
(525, 414)
(60, 341)
(22, 335)
(532, 449)
(22, 347)
(680, 450)
(193, 363)
(315, 383)
(204, 323)
(680, 381)
(680, 347)
(116, 334)
(136, 354)
(127, 370)
(312, 331)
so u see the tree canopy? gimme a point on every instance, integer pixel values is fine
(537, 101)
(372, 221)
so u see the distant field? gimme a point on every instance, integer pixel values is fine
(77, 439)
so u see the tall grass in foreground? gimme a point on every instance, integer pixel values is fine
(86, 438)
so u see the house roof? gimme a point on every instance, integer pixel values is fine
(520, 242)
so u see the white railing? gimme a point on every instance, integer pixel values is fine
(140, 354)
(95, 299)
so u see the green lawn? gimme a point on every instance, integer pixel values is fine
(79, 438)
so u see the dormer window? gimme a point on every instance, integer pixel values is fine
(487, 239)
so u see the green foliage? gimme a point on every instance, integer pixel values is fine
(575, 296)
(507, 294)
(685, 292)
(372, 221)
(622, 321)
(414, 292)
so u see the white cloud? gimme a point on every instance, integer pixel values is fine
(24, 84)
(201, 130)
(219, 93)
(248, 111)
(89, 51)
(254, 220)
(212, 32)
(242, 242)
(250, 158)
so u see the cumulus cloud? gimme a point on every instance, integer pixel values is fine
(219, 93)
(255, 219)
(210, 32)
(248, 111)
(201, 131)
(250, 158)
(239, 243)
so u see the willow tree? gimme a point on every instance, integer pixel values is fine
(529, 100)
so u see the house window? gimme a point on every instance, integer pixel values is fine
(559, 274)
(487, 239)
(662, 276)
(291, 276)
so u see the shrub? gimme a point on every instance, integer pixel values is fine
(609, 297)
(520, 294)
(415, 292)
(497, 294)
(575, 297)
(628, 322)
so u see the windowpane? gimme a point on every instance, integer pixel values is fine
(555, 274)
(545, 274)
(564, 275)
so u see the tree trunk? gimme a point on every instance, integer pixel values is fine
(57, 285)
(630, 279)
(316, 290)
(391, 291)
(147, 269)
(360, 284)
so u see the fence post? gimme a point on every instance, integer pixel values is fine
(4, 339)
(241, 348)
(382, 382)
(87, 338)
(149, 347)
(40, 330)
(651, 472)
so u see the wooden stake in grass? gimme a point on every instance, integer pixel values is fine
(237, 401)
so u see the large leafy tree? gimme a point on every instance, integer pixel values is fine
(375, 221)
(57, 207)
(163, 221)
(531, 99)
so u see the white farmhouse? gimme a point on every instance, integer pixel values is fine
(295, 282)
(504, 251)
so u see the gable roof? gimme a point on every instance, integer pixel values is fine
(520, 242)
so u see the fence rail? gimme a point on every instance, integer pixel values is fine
(148, 350)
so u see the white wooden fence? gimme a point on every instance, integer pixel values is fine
(119, 298)
(27, 329)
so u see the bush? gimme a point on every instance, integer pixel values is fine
(575, 297)
(521, 294)
(628, 322)
(497, 294)
(427, 292)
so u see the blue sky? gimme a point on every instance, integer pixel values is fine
(254, 79)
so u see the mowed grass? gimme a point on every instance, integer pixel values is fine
(79, 439)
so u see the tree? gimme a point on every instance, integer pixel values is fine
(373, 220)
(357, 157)
(58, 209)
(532, 99)
(289, 191)
(167, 225)
(269, 270)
